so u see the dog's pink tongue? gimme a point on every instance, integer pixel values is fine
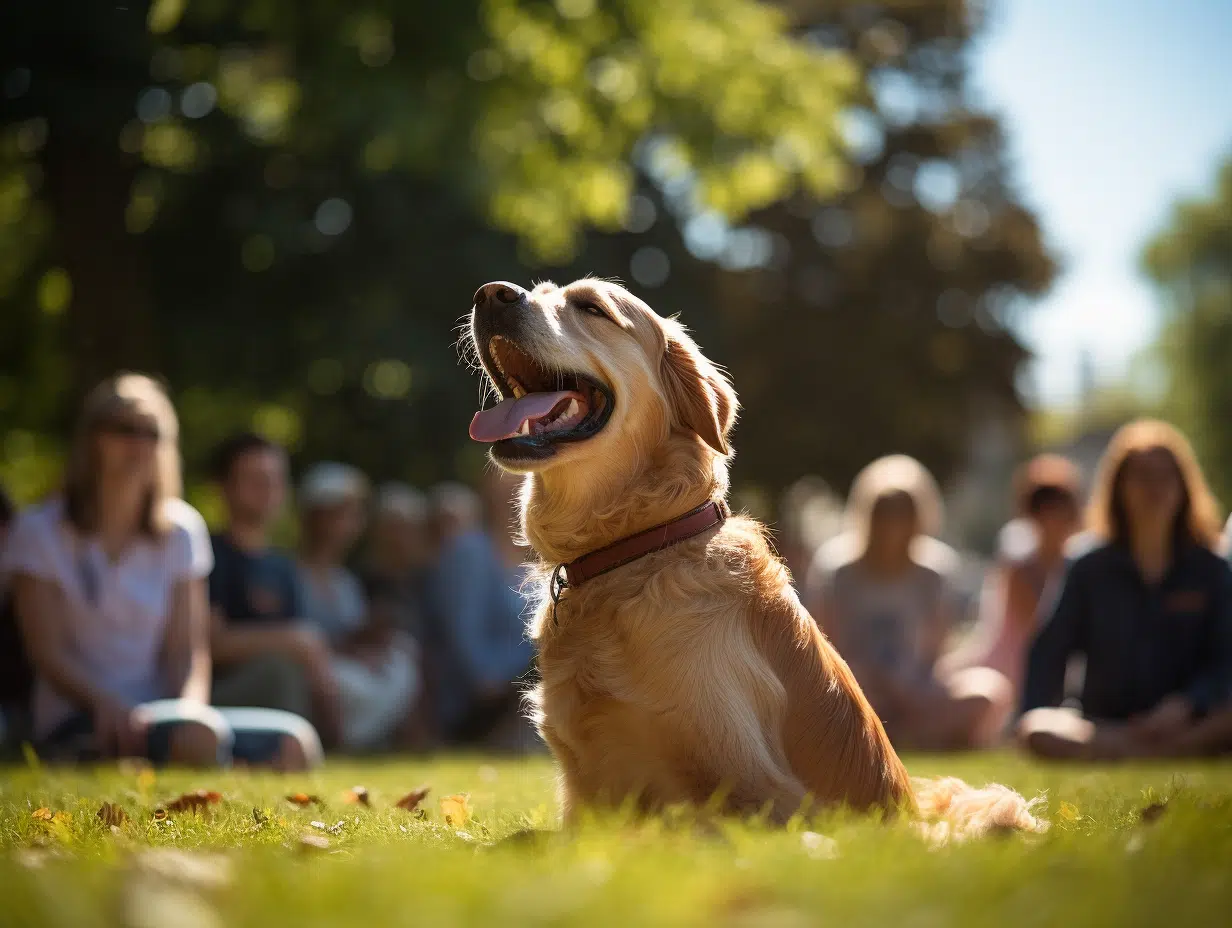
(504, 420)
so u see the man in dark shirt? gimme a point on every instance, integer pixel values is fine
(263, 654)
(1150, 608)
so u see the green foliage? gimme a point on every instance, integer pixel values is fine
(1100, 864)
(1191, 260)
(283, 208)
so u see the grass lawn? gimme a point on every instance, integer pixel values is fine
(244, 862)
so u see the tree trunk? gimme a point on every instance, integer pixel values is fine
(110, 318)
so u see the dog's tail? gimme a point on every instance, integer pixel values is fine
(953, 811)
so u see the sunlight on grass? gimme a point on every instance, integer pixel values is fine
(1146, 845)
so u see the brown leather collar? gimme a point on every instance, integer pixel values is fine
(706, 516)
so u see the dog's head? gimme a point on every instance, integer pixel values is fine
(588, 372)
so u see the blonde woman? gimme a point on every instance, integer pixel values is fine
(1149, 605)
(883, 593)
(109, 585)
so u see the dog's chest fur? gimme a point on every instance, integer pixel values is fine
(644, 666)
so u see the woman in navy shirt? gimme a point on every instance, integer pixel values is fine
(1149, 605)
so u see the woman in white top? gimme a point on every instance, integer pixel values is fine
(884, 594)
(109, 585)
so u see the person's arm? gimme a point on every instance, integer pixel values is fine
(939, 622)
(1213, 685)
(42, 613)
(1060, 637)
(468, 601)
(186, 645)
(233, 643)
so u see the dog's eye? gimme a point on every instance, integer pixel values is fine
(591, 307)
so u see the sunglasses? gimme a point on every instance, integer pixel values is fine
(131, 430)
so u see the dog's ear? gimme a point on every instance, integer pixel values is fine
(699, 394)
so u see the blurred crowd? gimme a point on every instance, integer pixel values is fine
(396, 623)
(1099, 635)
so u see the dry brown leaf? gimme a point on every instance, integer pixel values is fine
(111, 814)
(1153, 812)
(356, 794)
(456, 810)
(42, 815)
(303, 799)
(410, 802)
(194, 801)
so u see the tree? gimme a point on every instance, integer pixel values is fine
(285, 206)
(1191, 261)
(284, 209)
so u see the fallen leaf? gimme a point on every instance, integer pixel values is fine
(194, 801)
(456, 810)
(310, 842)
(111, 814)
(356, 794)
(303, 799)
(410, 802)
(1153, 812)
(1069, 812)
(42, 815)
(61, 818)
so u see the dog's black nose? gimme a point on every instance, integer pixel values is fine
(497, 294)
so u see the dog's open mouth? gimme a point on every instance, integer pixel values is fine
(538, 408)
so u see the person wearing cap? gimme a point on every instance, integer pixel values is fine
(374, 664)
(265, 653)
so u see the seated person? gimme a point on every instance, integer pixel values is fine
(1149, 605)
(883, 594)
(475, 598)
(374, 664)
(1047, 493)
(398, 555)
(110, 594)
(16, 675)
(396, 563)
(264, 653)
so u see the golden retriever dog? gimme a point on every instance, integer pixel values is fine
(692, 674)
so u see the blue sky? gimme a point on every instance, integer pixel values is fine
(1114, 109)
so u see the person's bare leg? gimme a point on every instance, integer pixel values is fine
(1064, 734)
(985, 700)
(1205, 737)
(968, 710)
(291, 758)
(193, 744)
